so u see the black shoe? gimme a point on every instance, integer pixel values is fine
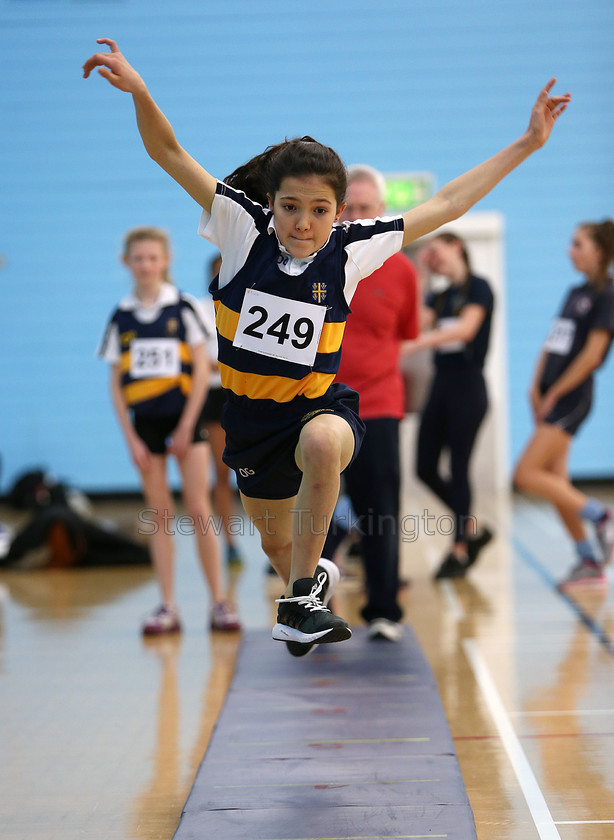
(476, 544)
(305, 619)
(329, 585)
(451, 567)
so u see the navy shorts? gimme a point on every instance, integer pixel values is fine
(260, 443)
(212, 409)
(155, 432)
(572, 410)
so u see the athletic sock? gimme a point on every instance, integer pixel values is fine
(593, 510)
(585, 550)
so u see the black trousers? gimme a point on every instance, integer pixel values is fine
(453, 413)
(372, 482)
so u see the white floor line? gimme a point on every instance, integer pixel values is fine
(540, 813)
(452, 600)
(585, 822)
(563, 713)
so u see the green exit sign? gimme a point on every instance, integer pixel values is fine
(405, 190)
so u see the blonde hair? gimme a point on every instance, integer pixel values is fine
(148, 234)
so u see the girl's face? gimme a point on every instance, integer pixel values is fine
(148, 262)
(305, 210)
(445, 258)
(585, 254)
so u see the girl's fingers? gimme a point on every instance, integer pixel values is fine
(550, 85)
(95, 61)
(557, 113)
(99, 58)
(109, 42)
(108, 75)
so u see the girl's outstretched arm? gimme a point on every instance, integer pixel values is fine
(456, 197)
(156, 131)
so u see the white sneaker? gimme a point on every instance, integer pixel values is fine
(604, 532)
(383, 628)
(164, 619)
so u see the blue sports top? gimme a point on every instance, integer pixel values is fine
(585, 308)
(280, 320)
(448, 306)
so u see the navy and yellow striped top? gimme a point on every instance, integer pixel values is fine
(152, 346)
(263, 361)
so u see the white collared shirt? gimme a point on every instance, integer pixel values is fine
(196, 332)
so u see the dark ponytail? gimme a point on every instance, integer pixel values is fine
(602, 234)
(296, 158)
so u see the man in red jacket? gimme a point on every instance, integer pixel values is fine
(385, 312)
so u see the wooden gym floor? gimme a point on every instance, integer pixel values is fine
(101, 732)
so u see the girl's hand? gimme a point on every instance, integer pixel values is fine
(424, 260)
(409, 346)
(545, 406)
(141, 455)
(535, 398)
(546, 111)
(181, 440)
(113, 67)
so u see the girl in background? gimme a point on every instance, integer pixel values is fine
(561, 397)
(155, 343)
(457, 325)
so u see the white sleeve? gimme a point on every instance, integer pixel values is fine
(209, 310)
(231, 227)
(109, 348)
(372, 243)
(199, 328)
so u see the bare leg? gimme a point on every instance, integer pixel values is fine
(159, 500)
(572, 521)
(222, 492)
(535, 472)
(293, 530)
(195, 472)
(273, 519)
(324, 450)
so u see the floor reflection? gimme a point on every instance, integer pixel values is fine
(157, 808)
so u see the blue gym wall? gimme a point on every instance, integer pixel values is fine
(402, 85)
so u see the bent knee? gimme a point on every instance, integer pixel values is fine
(277, 550)
(320, 447)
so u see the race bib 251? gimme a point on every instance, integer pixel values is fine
(154, 358)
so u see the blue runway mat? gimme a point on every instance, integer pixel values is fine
(349, 743)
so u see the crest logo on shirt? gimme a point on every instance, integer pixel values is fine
(583, 305)
(172, 325)
(318, 291)
(126, 338)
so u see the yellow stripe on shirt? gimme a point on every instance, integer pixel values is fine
(281, 389)
(147, 389)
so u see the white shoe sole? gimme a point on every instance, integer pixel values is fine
(283, 633)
